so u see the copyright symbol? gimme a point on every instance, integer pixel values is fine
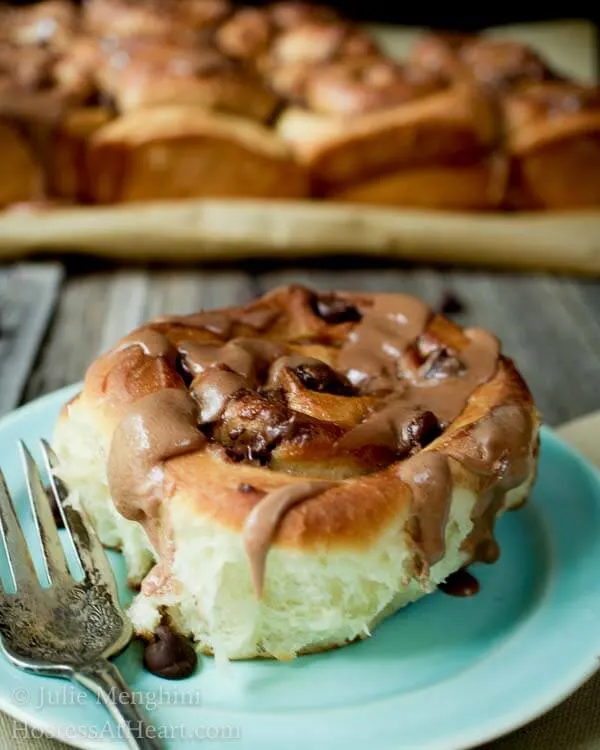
(20, 696)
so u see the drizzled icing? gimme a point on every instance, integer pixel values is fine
(430, 481)
(375, 345)
(235, 391)
(264, 518)
(143, 441)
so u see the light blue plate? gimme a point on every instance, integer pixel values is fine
(444, 673)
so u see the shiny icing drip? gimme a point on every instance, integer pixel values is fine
(231, 366)
(264, 518)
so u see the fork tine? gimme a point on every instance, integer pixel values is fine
(88, 547)
(55, 563)
(17, 552)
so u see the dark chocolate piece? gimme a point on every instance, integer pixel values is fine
(334, 310)
(182, 370)
(421, 430)
(321, 378)
(452, 304)
(461, 583)
(170, 655)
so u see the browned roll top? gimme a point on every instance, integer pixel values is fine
(552, 99)
(307, 393)
(298, 54)
(494, 64)
(367, 84)
(249, 32)
(186, 21)
(31, 84)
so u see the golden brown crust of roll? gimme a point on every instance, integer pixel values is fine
(34, 85)
(553, 140)
(140, 74)
(168, 20)
(247, 35)
(321, 42)
(36, 95)
(21, 176)
(367, 84)
(454, 125)
(250, 33)
(479, 186)
(298, 54)
(169, 155)
(334, 518)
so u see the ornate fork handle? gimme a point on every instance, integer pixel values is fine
(106, 682)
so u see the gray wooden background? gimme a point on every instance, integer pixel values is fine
(55, 319)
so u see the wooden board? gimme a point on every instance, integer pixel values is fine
(208, 230)
(224, 231)
(28, 293)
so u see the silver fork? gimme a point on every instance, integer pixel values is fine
(71, 628)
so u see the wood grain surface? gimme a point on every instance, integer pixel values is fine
(27, 297)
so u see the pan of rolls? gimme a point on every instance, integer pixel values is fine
(120, 115)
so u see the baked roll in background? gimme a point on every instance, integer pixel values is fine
(492, 63)
(553, 139)
(281, 476)
(50, 23)
(137, 73)
(183, 152)
(377, 131)
(442, 129)
(249, 33)
(178, 21)
(36, 94)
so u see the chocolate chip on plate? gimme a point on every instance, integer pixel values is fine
(170, 655)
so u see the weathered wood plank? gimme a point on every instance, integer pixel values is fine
(28, 293)
(126, 304)
(75, 336)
